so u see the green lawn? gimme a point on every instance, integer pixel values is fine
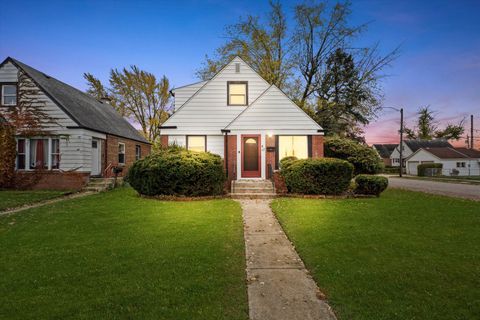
(405, 255)
(15, 198)
(117, 256)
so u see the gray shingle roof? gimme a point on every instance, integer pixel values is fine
(85, 110)
(414, 145)
(385, 150)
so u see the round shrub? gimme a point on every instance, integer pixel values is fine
(369, 184)
(318, 176)
(287, 161)
(178, 172)
(363, 158)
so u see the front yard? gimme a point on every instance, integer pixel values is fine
(117, 256)
(15, 198)
(405, 255)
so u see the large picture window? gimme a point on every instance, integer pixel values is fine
(38, 153)
(237, 93)
(197, 143)
(292, 146)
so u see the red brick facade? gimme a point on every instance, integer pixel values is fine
(269, 155)
(317, 146)
(164, 141)
(53, 180)
(111, 147)
(231, 154)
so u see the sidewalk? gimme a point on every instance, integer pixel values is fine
(279, 286)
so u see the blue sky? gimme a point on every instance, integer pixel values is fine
(439, 65)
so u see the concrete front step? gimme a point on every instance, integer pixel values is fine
(253, 190)
(252, 195)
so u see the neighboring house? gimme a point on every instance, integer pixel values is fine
(87, 139)
(384, 151)
(410, 146)
(456, 161)
(245, 120)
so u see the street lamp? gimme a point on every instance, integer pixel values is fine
(401, 136)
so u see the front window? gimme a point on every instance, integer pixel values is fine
(21, 154)
(9, 95)
(38, 154)
(196, 143)
(292, 146)
(138, 152)
(121, 153)
(237, 93)
(55, 154)
(460, 164)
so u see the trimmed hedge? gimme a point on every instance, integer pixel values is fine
(391, 170)
(287, 161)
(369, 184)
(178, 172)
(363, 158)
(318, 176)
(421, 168)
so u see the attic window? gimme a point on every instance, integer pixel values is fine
(9, 94)
(237, 92)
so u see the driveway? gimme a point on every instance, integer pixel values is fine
(443, 188)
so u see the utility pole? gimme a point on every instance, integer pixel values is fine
(401, 141)
(471, 131)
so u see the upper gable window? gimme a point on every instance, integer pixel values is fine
(9, 95)
(237, 93)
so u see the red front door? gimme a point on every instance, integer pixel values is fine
(251, 156)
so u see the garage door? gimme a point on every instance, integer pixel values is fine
(412, 167)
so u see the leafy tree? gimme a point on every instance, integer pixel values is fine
(137, 95)
(261, 45)
(303, 58)
(344, 100)
(427, 127)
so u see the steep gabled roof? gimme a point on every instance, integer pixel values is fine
(385, 150)
(272, 93)
(414, 145)
(86, 111)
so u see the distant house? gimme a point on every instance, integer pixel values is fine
(384, 151)
(456, 161)
(410, 146)
(87, 139)
(241, 117)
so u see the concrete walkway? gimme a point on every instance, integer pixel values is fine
(279, 286)
(43, 203)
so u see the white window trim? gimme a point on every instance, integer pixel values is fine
(124, 153)
(10, 95)
(27, 153)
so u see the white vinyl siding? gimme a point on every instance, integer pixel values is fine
(183, 93)
(207, 111)
(75, 144)
(273, 111)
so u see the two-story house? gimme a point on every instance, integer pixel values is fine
(241, 117)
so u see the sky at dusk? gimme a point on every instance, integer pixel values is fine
(439, 64)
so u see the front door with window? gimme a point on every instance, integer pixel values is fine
(96, 156)
(251, 153)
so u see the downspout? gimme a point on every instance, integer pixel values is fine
(226, 150)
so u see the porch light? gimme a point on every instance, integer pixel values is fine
(270, 134)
